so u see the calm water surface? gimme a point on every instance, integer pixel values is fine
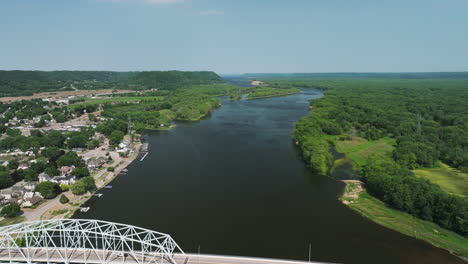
(236, 185)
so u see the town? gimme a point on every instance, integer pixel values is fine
(54, 156)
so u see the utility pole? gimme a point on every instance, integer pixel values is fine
(310, 251)
(198, 253)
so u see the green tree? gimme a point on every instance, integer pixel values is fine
(13, 132)
(52, 153)
(77, 141)
(92, 117)
(5, 179)
(80, 172)
(83, 186)
(54, 139)
(52, 171)
(30, 175)
(13, 164)
(10, 210)
(48, 190)
(92, 144)
(116, 137)
(69, 159)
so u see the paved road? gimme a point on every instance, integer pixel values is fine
(35, 214)
(115, 257)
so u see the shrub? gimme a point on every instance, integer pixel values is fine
(64, 187)
(64, 199)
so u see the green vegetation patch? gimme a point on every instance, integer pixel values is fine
(13, 220)
(449, 179)
(377, 211)
(359, 149)
(98, 101)
(266, 92)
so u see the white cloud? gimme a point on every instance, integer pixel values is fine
(212, 13)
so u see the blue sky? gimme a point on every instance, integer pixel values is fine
(235, 36)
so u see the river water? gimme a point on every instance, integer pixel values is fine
(235, 184)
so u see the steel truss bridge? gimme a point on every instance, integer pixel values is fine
(73, 241)
(84, 241)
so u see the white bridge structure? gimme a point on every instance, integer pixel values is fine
(85, 241)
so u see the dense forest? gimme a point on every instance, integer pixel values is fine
(427, 117)
(17, 83)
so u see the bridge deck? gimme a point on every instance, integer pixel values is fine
(115, 257)
(219, 259)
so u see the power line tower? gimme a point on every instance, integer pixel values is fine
(418, 124)
(130, 129)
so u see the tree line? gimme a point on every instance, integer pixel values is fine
(428, 118)
(20, 83)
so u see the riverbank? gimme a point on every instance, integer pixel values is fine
(356, 151)
(53, 209)
(356, 197)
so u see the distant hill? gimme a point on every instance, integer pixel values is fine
(344, 75)
(17, 83)
(174, 79)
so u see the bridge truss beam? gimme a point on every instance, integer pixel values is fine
(84, 241)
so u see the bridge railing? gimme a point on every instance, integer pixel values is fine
(101, 240)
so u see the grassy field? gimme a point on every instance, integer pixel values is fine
(378, 212)
(359, 149)
(13, 220)
(117, 99)
(449, 179)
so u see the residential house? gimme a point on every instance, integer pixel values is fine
(96, 163)
(92, 164)
(23, 166)
(66, 169)
(102, 160)
(66, 179)
(44, 177)
(30, 186)
(6, 194)
(3, 200)
(28, 195)
(31, 201)
(78, 150)
(124, 144)
(18, 191)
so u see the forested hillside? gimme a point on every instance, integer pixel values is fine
(427, 117)
(16, 83)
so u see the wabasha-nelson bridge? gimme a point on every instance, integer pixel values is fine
(100, 242)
